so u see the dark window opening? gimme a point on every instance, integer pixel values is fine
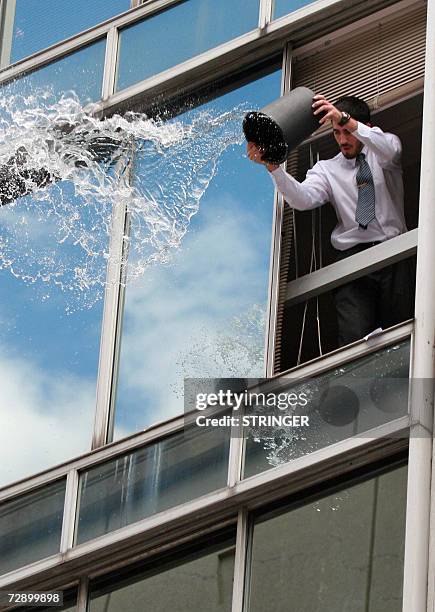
(312, 248)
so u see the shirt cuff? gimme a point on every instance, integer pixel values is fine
(278, 172)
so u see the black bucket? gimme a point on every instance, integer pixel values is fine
(282, 125)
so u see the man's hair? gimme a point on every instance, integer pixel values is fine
(357, 108)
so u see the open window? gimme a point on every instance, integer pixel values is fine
(309, 328)
(376, 72)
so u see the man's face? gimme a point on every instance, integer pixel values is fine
(349, 145)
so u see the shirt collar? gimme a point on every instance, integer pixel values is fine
(351, 163)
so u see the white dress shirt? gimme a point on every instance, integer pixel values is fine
(334, 180)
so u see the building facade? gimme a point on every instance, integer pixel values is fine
(110, 494)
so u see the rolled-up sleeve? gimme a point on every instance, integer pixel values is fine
(387, 147)
(311, 193)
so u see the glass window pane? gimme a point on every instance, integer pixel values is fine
(80, 72)
(158, 43)
(344, 402)
(41, 23)
(203, 580)
(48, 391)
(66, 607)
(342, 552)
(69, 602)
(49, 341)
(30, 526)
(176, 470)
(283, 7)
(203, 314)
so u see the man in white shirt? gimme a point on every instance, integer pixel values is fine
(364, 184)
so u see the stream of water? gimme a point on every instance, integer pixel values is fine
(58, 235)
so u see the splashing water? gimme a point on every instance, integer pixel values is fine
(281, 445)
(235, 348)
(58, 236)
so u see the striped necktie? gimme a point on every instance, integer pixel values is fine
(365, 208)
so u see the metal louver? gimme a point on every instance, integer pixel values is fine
(386, 56)
(287, 263)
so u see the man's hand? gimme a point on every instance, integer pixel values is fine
(321, 105)
(255, 154)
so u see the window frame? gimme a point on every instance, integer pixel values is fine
(7, 17)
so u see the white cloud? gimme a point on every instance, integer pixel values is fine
(44, 420)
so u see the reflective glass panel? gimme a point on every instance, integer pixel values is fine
(283, 7)
(30, 526)
(80, 72)
(41, 23)
(201, 580)
(69, 602)
(176, 470)
(64, 608)
(202, 313)
(347, 401)
(179, 33)
(51, 324)
(53, 249)
(341, 552)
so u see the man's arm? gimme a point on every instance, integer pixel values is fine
(311, 193)
(387, 147)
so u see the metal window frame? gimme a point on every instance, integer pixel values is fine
(139, 10)
(86, 37)
(69, 519)
(82, 595)
(139, 539)
(69, 513)
(265, 13)
(95, 32)
(163, 429)
(7, 18)
(200, 505)
(111, 325)
(272, 35)
(252, 46)
(110, 61)
(240, 564)
(244, 530)
(418, 587)
(285, 509)
(275, 257)
(118, 449)
(351, 268)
